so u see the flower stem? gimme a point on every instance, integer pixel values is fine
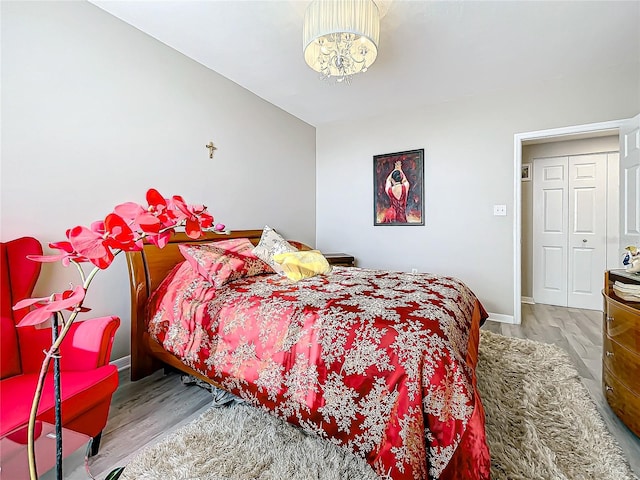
(33, 473)
(80, 271)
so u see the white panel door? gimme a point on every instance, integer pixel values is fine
(569, 230)
(630, 183)
(587, 255)
(550, 232)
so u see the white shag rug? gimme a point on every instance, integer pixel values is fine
(541, 424)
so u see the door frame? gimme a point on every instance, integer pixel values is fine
(518, 140)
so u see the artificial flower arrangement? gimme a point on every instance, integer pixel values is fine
(123, 230)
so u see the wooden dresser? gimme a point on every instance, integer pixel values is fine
(621, 351)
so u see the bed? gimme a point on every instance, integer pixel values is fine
(381, 363)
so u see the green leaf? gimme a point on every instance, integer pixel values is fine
(114, 474)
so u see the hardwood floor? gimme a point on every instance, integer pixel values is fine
(143, 412)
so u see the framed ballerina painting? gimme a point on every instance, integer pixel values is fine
(398, 188)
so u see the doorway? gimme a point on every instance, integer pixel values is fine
(574, 212)
(542, 136)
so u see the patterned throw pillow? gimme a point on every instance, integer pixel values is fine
(305, 264)
(272, 243)
(224, 261)
(241, 246)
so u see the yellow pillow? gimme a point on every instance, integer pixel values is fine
(302, 264)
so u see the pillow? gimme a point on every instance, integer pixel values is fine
(305, 264)
(271, 243)
(236, 245)
(224, 261)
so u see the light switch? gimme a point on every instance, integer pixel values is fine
(500, 210)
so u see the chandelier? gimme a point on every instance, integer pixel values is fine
(340, 37)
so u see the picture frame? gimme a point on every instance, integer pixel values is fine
(526, 172)
(398, 198)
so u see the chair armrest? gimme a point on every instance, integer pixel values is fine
(86, 346)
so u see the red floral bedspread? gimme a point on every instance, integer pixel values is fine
(379, 362)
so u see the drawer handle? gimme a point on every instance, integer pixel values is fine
(609, 389)
(609, 319)
(609, 354)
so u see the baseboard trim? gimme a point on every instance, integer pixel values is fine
(499, 317)
(122, 362)
(527, 300)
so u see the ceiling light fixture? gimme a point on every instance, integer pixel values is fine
(340, 37)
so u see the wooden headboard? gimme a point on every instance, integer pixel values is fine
(147, 269)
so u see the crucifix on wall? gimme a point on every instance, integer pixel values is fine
(212, 148)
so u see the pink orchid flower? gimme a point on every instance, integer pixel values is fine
(160, 240)
(47, 306)
(145, 221)
(196, 216)
(138, 218)
(90, 243)
(67, 253)
(118, 235)
(129, 211)
(159, 215)
(96, 243)
(160, 207)
(159, 219)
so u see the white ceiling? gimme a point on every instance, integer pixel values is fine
(429, 52)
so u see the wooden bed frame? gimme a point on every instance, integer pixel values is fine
(147, 269)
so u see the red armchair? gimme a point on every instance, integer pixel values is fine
(87, 379)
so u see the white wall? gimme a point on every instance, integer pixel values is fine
(469, 161)
(94, 113)
(560, 149)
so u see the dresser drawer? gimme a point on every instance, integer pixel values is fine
(624, 403)
(622, 363)
(622, 324)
